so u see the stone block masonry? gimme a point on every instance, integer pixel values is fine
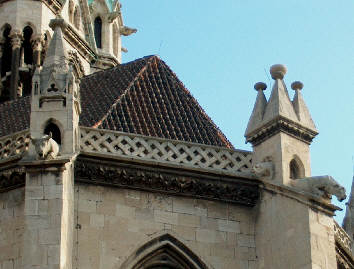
(112, 223)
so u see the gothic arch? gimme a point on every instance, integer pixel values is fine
(164, 251)
(296, 168)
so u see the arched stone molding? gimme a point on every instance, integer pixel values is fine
(164, 250)
(296, 168)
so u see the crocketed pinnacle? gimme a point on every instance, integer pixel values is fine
(56, 55)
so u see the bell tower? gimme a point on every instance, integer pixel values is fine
(281, 130)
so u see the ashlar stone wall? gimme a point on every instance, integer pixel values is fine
(112, 223)
(11, 228)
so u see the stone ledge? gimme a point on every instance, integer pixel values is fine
(169, 181)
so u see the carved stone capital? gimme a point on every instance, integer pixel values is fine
(16, 38)
(37, 42)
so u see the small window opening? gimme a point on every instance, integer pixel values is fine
(98, 32)
(7, 52)
(27, 46)
(294, 170)
(54, 129)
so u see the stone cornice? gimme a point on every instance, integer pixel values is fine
(281, 124)
(12, 178)
(76, 41)
(169, 181)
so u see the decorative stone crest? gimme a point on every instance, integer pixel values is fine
(232, 191)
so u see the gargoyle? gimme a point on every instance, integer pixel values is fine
(264, 169)
(127, 31)
(323, 186)
(46, 147)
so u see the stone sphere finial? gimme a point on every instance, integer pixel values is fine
(278, 71)
(297, 85)
(260, 86)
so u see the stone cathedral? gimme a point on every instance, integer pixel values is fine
(105, 164)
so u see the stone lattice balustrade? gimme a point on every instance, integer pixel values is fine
(170, 152)
(14, 145)
(342, 238)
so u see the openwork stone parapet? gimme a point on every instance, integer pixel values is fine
(343, 247)
(14, 146)
(170, 181)
(164, 151)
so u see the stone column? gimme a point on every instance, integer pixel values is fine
(37, 46)
(49, 215)
(16, 40)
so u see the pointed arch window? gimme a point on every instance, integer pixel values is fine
(98, 32)
(164, 252)
(52, 128)
(296, 168)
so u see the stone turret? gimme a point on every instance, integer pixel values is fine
(281, 130)
(55, 104)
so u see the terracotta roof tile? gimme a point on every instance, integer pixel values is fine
(15, 115)
(143, 97)
(146, 97)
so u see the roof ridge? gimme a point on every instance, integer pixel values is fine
(143, 69)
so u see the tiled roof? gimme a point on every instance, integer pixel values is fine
(15, 115)
(143, 97)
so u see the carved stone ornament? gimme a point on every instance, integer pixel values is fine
(12, 178)
(231, 191)
(46, 148)
(126, 31)
(323, 186)
(37, 43)
(264, 170)
(16, 38)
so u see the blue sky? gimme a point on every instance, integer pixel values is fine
(219, 49)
